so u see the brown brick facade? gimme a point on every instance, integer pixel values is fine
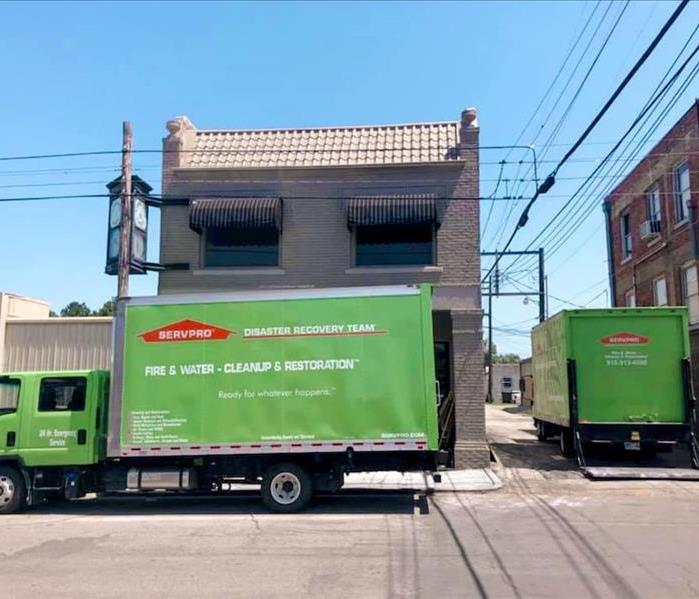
(664, 254)
(316, 246)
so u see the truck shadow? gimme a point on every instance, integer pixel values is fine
(530, 453)
(352, 502)
(545, 456)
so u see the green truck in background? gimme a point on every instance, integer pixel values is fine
(291, 389)
(618, 376)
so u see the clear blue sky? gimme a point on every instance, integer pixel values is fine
(72, 72)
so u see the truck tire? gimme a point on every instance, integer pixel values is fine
(567, 449)
(13, 491)
(541, 430)
(286, 488)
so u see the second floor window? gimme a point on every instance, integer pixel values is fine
(659, 292)
(237, 232)
(653, 201)
(626, 235)
(681, 191)
(394, 245)
(630, 298)
(241, 247)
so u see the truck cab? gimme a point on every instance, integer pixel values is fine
(52, 424)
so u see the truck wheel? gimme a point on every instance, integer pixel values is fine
(13, 492)
(541, 431)
(567, 448)
(286, 488)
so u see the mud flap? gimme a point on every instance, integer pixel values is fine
(573, 400)
(691, 405)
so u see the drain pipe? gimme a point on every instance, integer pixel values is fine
(692, 202)
(606, 205)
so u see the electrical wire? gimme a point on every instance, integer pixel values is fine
(550, 180)
(546, 146)
(492, 204)
(557, 76)
(561, 232)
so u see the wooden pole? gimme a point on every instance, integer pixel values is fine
(489, 395)
(126, 212)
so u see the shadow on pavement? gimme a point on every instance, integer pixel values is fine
(546, 456)
(530, 453)
(355, 502)
(517, 409)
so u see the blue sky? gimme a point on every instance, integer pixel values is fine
(72, 72)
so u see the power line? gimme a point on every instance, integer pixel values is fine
(557, 76)
(64, 197)
(644, 140)
(623, 84)
(182, 198)
(492, 205)
(581, 85)
(551, 179)
(546, 146)
(450, 152)
(650, 104)
(585, 215)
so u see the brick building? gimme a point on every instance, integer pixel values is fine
(652, 227)
(333, 207)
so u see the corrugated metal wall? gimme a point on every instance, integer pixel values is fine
(57, 344)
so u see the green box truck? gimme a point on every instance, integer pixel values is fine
(291, 389)
(618, 376)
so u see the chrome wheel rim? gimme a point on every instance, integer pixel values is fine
(286, 488)
(7, 490)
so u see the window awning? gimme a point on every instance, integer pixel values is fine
(239, 213)
(416, 209)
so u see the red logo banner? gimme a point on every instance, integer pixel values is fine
(186, 330)
(624, 339)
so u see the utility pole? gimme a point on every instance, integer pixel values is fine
(126, 206)
(542, 287)
(542, 291)
(489, 396)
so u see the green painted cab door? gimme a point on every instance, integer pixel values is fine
(10, 388)
(59, 428)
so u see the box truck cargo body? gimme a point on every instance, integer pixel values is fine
(616, 376)
(291, 388)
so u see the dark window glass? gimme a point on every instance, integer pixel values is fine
(682, 191)
(442, 367)
(626, 235)
(66, 394)
(9, 395)
(394, 245)
(242, 247)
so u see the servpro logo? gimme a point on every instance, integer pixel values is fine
(186, 330)
(624, 339)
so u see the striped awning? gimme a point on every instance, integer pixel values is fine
(416, 209)
(238, 213)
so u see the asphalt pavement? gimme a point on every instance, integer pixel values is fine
(548, 532)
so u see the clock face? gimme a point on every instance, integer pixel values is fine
(115, 213)
(113, 245)
(138, 247)
(139, 214)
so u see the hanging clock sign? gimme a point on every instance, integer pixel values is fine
(139, 226)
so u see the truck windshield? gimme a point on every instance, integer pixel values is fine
(9, 395)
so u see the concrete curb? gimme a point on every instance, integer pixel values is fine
(476, 479)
